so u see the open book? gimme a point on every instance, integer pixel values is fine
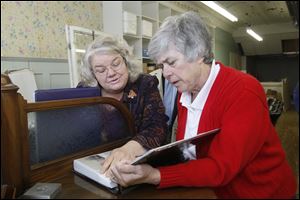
(168, 154)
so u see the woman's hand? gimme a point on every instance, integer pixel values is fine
(127, 152)
(126, 174)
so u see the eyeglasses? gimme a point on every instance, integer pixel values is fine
(115, 65)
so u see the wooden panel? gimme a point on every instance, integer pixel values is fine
(54, 74)
(49, 171)
(11, 145)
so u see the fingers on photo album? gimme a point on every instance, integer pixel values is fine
(169, 154)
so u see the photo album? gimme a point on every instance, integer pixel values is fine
(168, 154)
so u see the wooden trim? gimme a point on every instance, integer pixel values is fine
(68, 103)
(54, 169)
(25, 140)
(11, 144)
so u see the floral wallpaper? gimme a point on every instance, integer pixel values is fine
(36, 29)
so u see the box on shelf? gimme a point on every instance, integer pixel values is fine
(145, 53)
(145, 68)
(151, 67)
(129, 23)
(147, 28)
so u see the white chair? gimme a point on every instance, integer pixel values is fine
(24, 79)
(158, 74)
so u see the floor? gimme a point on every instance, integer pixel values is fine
(287, 127)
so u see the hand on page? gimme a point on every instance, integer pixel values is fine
(127, 152)
(126, 174)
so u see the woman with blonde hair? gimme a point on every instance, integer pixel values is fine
(109, 64)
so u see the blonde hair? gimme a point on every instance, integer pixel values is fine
(107, 45)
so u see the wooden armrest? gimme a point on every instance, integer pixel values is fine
(5, 79)
(8, 192)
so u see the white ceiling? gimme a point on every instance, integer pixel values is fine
(270, 19)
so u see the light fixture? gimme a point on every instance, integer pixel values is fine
(79, 50)
(253, 34)
(220, 10)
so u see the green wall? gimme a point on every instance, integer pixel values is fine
(224, 44)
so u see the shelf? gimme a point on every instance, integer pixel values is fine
(149, 18)
(153, 12)
(130, 36)
(146, 38)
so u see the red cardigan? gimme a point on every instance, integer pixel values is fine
(245, 159)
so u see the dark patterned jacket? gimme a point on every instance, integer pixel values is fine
(144, 102)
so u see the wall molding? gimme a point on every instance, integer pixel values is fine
(26, 59)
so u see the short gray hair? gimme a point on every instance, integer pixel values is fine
(107, 45)
(188, 33)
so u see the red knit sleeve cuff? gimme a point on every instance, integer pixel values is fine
(170, 176)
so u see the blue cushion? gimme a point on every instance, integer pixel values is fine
(66, 93)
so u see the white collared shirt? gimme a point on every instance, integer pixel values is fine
(195, 108)
(169, 99)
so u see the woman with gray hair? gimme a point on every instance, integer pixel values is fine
(108, 63)
(245, 159)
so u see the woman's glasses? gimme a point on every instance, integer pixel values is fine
(115, 65)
